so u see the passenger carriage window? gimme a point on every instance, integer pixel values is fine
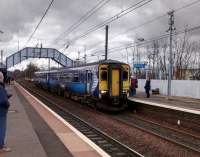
(76, 77)
(67, 77)
(89, 77)
(125, 75)
(104, 76)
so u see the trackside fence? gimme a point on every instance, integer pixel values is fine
(183, 88)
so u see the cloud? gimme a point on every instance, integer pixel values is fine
(18, 18)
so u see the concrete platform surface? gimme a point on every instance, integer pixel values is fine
(176, 103)
(77, 143)
(21, 136)
(34, 130)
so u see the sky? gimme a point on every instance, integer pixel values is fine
(18, 19)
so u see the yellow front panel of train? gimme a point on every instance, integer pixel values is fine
(126, 75)
(115, 82)
(103, 77)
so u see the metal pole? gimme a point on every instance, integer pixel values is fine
(134, 53)
(48, 69)
(106, 44)
(49, 64)
(133, 56)
(2, 57)
(170, 66)
(127, 56)
(1, 50)
(85, 56)
(78, 58)
(171, 29)
(18, 44)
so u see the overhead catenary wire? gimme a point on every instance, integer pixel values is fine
(164, 36)
(152, 20)
(83, 18)
(42, 18)
(113, 18)
(159, 17)
(119, 48)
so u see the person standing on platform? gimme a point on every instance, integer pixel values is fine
(4, 105)
(134, 85)
(147, 87)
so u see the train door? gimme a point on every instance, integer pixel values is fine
(115, 82)
(88, 81)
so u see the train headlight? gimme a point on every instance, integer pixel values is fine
(103, 91)
(62, 86)
(124, 91)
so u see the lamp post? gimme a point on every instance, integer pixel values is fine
(1, 50)
(2, 57)
(127, 55)
(137, 54)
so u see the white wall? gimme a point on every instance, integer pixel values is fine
(185, 88)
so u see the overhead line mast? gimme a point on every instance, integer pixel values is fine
(106, 44)
(170, 30)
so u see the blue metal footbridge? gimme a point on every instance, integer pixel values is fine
(34, 52)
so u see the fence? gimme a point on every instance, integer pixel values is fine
(184, 88)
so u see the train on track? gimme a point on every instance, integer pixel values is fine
(105, 84)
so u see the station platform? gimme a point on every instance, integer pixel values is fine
(184, 104)
(33, 130)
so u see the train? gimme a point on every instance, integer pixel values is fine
(105, 84)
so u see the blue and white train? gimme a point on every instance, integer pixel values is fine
(105, 83)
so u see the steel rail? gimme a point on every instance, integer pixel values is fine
(110, 145)
(170, 134)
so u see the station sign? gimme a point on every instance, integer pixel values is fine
(139, 66)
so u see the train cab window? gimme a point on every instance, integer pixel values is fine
(125, 75)
(104, 76)
(103, 68)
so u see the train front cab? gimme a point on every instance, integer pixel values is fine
(114, 84)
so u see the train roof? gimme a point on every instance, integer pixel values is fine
(46, 71)
(82, 66)
(109, 61)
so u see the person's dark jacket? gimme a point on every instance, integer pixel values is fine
(4, 103)
(148, 85)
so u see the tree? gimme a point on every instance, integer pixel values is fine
(163, 57)
(30, 70)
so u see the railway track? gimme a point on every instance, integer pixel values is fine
(176, 136)
(113, 147)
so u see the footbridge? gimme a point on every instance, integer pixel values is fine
(32, 52)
